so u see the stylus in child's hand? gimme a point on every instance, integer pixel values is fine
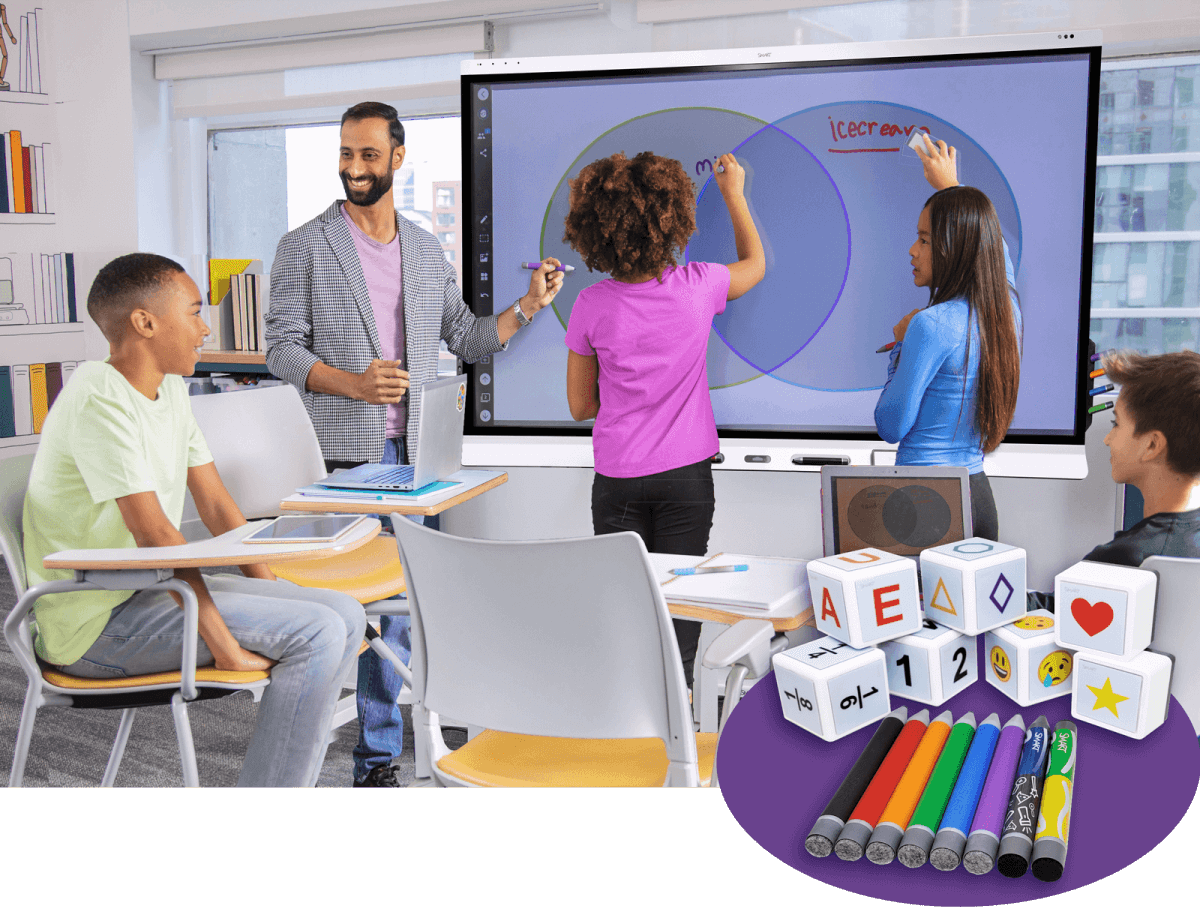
(715, 569)
(558, 269)
(886, 348)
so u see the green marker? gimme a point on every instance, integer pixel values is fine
(922, 828)
(1054, 817)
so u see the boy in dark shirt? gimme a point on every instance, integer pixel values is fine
(1154, 445)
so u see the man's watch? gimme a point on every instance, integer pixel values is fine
(523, 319)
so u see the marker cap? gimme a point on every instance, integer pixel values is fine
(823, 835)
(853, 839)
(914, 848)
(1049, 855)
(885, 840)
(981, 852)
(1014, 855)
(947, 849)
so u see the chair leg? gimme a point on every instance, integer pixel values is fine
(733, 692)
(24, 736)
(118, 748)
(187, 749)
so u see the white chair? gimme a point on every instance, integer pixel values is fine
(562, 649)
(50, 687)
(1177, 625)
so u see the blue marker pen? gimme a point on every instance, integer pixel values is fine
(561, 269)
(715, 569)
(1103, 389)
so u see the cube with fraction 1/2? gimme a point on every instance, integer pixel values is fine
(1025, 661)
(1105, 608)
(931, 665)
(830, 689)
(1128, 696)
(865, 597)
(973, 585)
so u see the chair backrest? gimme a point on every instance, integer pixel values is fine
(1177, 624)
(565, 637)
(14, 479)
(263, 443)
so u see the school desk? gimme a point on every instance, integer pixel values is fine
(1128, 795)
(473, 483)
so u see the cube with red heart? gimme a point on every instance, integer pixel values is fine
(1105, 608)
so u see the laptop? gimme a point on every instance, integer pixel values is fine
(439, 445)
(902, 509)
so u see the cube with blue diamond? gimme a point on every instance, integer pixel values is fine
(973, 585)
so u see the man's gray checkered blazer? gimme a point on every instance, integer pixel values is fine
(321, 310)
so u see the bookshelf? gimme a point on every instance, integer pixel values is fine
(232, 361)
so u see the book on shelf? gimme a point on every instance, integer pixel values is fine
(8, 423)
(37, 387)
(22, 401)
(27, 392)
(219, 271)
(5, 173)
(250, 292)
(16, 163)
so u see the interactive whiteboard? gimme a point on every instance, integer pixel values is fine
(835, 192)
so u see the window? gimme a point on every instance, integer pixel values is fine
(445, 197)
(445, 218)
(447, 237)
(1146, 255)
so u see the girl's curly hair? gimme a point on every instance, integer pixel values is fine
(631, 217)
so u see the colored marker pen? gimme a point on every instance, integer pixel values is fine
(712, 569)
(886, 348)
(560, 269)
(1095, 373)
(1097, 408)
(1102, 390)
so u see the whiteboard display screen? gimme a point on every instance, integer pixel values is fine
(835, 191)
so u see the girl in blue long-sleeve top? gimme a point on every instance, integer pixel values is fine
(954, 372)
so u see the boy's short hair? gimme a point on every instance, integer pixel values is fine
(1163, 393)
(373, 110)
(125, 284)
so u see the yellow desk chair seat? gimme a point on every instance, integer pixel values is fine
(368, 574)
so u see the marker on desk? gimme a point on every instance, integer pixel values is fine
(558, 269)
(956, 823)
(918, 837)
(1054, 817)
(1097, 408)
(712, 569)
(984, 840)
(829, 825)
(886, 348)
(1016, 843)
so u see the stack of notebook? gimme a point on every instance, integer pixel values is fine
(769, 588)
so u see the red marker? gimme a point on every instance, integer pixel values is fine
(886, 348)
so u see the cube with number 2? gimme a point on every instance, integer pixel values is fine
(865, 597)
(830, 689)
(931, 665)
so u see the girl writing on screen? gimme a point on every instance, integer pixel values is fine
(638, 344)
(954, 371)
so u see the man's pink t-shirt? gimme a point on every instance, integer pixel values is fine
(650, 340)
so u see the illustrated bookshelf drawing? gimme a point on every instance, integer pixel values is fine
(24, 172)
(36, 290)
(22, 70)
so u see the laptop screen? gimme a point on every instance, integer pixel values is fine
(884, 508)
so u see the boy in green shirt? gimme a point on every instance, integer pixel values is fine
(118, 450)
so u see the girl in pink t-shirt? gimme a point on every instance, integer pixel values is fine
(638, 343)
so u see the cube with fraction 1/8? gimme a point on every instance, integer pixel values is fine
(865, 597)
(830, 689)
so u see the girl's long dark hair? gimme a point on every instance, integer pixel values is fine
(968, 263)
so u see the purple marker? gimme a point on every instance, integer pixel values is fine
(984, 840)
(561, 269)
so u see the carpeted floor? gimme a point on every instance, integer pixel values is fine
(70, 746)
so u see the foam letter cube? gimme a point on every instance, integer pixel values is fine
(973, 585)
(1025, 661)
(1105, 608)
(931, 665)
(830, 689)
(1127, 696)
(865, 597)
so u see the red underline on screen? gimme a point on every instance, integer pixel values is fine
(864, 151)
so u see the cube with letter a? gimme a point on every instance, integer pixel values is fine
(1127, 695)
(1105, 608)
(830, 689)
(973, 585)
(864, 597)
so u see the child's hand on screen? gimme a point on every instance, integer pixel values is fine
(940, 162)
(730, 176)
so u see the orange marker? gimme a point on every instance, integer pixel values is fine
(887, 834)
(1095, 373)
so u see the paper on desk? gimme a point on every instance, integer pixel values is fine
(768, 584)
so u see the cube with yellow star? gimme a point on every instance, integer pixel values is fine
(1129, 697)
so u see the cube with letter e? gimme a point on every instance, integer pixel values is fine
(864, 597)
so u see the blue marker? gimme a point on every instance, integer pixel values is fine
(1102, 390)
(558, 269)
(951, 838)
(715, 569)
(1016, 841)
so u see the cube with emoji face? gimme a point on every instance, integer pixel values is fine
(1025, 662)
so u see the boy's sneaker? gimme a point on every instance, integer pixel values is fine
(382, 776)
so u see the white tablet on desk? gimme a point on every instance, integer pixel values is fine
(306, 528)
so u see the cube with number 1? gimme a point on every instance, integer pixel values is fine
(931, 665)
(830, 689)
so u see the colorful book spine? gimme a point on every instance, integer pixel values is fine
(69, 266)
(27, 176)
(39, 400)
(8, 173)
(60, 302)
(8, 424)
(22, 401)
(54, 383)
(4, 182)
(14, 147)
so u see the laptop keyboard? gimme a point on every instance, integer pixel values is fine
(400, 474)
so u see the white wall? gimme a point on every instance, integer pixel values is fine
(1057, 521)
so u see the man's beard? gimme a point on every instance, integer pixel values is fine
(370, 195)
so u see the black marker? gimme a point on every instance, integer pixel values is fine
(820, 460)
